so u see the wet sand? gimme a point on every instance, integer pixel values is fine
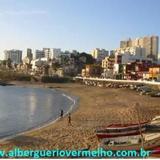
(97, 107)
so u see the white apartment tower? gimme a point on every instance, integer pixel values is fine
(39, 54)
(149, 43)
(14, 55)
(155, 46)
(47, 53)
(56, 52)
(99, 54)
(29, 53)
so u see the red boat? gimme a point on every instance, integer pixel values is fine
(120, 130)
(128, 137)
(156, 150)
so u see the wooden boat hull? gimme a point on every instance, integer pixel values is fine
(111, 135)
(148, 145)
(119, 130)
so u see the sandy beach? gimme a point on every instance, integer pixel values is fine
(96, 107)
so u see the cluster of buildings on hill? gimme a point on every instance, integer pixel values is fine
(48, 53)
(135, 59)
(48, 61)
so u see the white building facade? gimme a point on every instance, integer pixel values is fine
(39, 54)
(56, 52)
(99, 54)
(14, 55)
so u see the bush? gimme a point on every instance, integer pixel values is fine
(23, 77)
(13, 76)
(55, 79)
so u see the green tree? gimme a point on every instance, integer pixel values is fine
(89, 58)
(55, 66)
(9, 63)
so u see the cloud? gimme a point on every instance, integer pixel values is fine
(23, 13)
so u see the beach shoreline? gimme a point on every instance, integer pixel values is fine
(97, 106)
(45, 124)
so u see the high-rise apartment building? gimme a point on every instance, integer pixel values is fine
(99, 54)
(149, 43)
(140, 42)
(135, 42)
(47, 53)
(155, 46)
(127, 43)
(56, 52)
(14, 55)
(39, 54)
(123, 44)
(29, 53)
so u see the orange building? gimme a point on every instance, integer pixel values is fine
(154, 72)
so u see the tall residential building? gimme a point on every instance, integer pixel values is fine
(135, 42)
(99, 54)
(140, 42)
(149, 43)
(127, 43)
(130, 54)
(47, 53)
(56, 52)
(52, 53)
(123, 44)
(39, 54)
(29, 53)
(14, 55)
(155, 46)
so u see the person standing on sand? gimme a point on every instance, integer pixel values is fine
(69, 119)
(61, 113)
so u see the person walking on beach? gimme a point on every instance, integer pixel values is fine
(69, 119)
(61, 113)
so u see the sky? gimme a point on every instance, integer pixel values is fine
(75, 24)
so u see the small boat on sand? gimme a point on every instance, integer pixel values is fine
(120, 130)
(150, 142)
(129, 137)
(155, 121)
